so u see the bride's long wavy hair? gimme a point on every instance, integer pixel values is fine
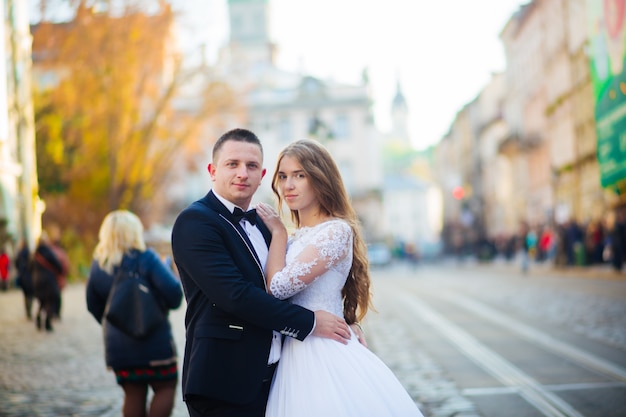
(325, 179)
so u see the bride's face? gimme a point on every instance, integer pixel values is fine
(294, 186)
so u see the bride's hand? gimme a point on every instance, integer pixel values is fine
(271, 218)
(360, 335)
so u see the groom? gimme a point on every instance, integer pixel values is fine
(234, 327)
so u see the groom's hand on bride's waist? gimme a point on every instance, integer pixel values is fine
(331, 327)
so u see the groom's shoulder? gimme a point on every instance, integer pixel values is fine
(201, 207)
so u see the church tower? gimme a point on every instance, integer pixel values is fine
(249, 48)
(399, 117)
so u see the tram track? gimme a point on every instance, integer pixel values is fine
(417, 300)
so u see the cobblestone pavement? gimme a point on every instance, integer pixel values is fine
(580, 309)
(62, 373)
(572, 299)
(426, 382)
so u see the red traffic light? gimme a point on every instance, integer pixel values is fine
(458, 193)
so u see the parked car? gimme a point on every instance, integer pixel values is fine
(378, 254)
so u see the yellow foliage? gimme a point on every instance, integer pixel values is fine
(107, 132)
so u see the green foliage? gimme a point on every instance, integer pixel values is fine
(398, 158)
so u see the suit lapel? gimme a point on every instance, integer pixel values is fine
(267, 235)
(238, 230)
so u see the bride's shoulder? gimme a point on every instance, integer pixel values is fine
(334, 227)
(329, 229)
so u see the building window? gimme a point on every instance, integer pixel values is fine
(347, 174)
(284, 130)
(318, 128)
(342, 127)
(236, 23)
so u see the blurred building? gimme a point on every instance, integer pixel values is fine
(412, 208)
(281, 107)
(525, 104)
(552, 86)
(456, 169)
(525, 150)
(496, 169)
(411, 199)
(478, 172)
(20, 207)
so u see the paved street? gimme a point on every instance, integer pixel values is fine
(512, 345)
(63, 374)
(60, 373)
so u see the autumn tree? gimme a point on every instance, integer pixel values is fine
(108, 128)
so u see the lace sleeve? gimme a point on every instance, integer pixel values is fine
(326, 248)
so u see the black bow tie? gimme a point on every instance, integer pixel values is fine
(249, 215)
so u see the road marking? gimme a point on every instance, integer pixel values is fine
(586, 359)
(508, 374)
(478, 392)
(581, 386)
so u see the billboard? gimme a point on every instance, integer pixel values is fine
(606, 21)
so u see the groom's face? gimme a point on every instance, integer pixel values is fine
(237, 172)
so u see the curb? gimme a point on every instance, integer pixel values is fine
(591, 272)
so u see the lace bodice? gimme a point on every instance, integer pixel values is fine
(324, 252)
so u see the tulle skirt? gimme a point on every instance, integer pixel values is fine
(319, 377)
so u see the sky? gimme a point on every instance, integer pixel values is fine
(443, 52)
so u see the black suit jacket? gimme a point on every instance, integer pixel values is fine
(230, 316)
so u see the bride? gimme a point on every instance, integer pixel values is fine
(325, 267)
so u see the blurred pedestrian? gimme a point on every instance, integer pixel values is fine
(138, 364)
(594, 238)
(547, 244)
(63, 275)
(561, 251)
(23, 266)
(531, 244)
(573, 243)
(523, 244)
(5, 263)
(616, 239)
(46, 268)
(458, 242)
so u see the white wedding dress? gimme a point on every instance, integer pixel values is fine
(320, 377)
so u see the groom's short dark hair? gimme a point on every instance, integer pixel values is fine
(238, 135)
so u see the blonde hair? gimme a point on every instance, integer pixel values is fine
(120, 232)
(326, 181)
